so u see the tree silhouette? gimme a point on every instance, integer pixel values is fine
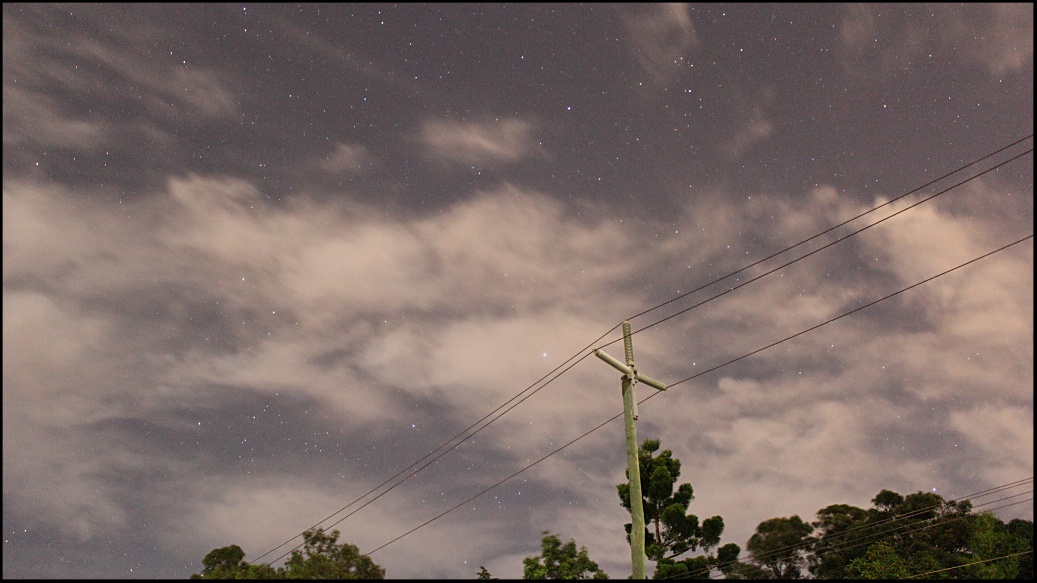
(558, 561)
(670, 530)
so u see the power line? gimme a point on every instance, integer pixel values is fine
(970, 564)
(452, 447)
(857, 309)
(463, 433)
(448, 450)
(830, 229)
(747, 282)
(695, 376)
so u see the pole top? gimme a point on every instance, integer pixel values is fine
(628, 343)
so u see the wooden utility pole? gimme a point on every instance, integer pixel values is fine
(637, 509)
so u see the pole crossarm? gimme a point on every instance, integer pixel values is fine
(629, 372)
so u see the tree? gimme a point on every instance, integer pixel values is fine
(727, 558)
(881, 561)
(691, 568)
(747, 571)
(836, 526)
(701, 567)
(992, 538)
(925, 531)
(928, 532)
(558, 561)
(673, 531)
(914, 534)
(1022, 530)
(325, 559)
(484, 574)
(228, 563)
(887, 501)
(779, 546)
(221, 563)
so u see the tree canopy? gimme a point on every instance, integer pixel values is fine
(776, 546)
(228, 563)
(558, 561)
(899, 536)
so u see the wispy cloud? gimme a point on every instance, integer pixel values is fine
(994, 37)
(753, 124)
(38, 66)
(202, 91)
(755, 130)
(660, 36)
(33, 118)
(460, 142)
(337, 53)
(348, 159)
(1006, 44)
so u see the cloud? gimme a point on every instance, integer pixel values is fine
(170, 335)
(227, 314)
(202, 91)
(476, 143)
(660, 36)
(360, 63)
(1007, 43)
(32, 118)
(38, 66)
(351, 159)
(913, 257)
(753, 124)
(995, 37)
(755, 129)
(997, 430)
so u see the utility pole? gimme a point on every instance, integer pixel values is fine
(637, 509)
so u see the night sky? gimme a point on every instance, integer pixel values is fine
(258, 259)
